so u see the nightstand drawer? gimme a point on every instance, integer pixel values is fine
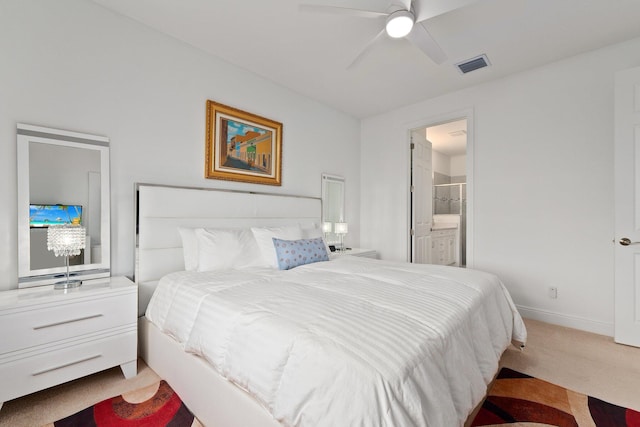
(32, 327)
(62, 364)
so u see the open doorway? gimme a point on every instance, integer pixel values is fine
(449, 145)
(439, 210)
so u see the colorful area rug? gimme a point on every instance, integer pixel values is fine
(517, 399)
(153, 406)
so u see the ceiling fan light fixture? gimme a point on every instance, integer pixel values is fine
(399, 23)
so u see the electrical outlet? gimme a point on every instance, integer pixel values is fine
(553, 292)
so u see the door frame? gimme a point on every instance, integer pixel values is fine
(468, 114)
(626, 207)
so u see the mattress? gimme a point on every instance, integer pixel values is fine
(348, 342)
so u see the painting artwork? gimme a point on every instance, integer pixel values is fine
(241, 146)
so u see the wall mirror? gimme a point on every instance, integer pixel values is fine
(332, 203)
(63, 177)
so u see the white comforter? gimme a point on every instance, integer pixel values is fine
(349, 342)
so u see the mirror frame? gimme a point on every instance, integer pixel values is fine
(28, 277)
(332, 238)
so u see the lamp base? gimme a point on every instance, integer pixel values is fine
(67, 284)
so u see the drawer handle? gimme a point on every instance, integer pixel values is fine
(44, 371)
(64, 322)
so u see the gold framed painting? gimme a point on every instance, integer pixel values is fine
(241, 146)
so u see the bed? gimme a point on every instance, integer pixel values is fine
(348, 341)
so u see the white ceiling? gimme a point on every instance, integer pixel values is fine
(309, 52)
(449, 138)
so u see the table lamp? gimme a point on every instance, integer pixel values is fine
(326, 229)
(66, 240)
(341, 228)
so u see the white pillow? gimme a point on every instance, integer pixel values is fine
(220, 249)
(189, 248)
(264, 238)
(310, 231)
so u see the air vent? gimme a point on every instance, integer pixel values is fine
(457, 133)
(473, 64)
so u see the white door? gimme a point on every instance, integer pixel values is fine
(421, 198)
(627, 207)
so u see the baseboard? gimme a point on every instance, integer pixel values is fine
(576, 322)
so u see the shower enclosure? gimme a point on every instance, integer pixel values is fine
(451, 199)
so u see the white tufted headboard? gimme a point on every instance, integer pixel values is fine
(162, 209)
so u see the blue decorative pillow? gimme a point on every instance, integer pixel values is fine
(293, 253)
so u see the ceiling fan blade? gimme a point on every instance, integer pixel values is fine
(337, 10)
(424, 10)
(421, 38)
(365, 49)
(406, 4)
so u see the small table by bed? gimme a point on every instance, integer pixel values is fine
(361, 252)
(52, 336)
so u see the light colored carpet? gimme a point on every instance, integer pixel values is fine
(581, 361)
(58, 402)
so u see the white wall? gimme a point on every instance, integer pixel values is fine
(441, 163)
(458, 165)
(449, 165)
(543, 182)
(70, 64)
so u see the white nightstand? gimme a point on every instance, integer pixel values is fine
(49, 336)
(366, 253)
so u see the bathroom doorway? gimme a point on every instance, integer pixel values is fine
(448, 237)
(450, 138)
(449, 142)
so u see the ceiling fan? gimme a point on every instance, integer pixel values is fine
(403, 19)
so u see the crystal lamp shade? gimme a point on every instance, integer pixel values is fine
(341, 228)
(326, 227)
(66, 240)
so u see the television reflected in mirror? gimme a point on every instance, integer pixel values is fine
(42, 216)
(63, 178)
